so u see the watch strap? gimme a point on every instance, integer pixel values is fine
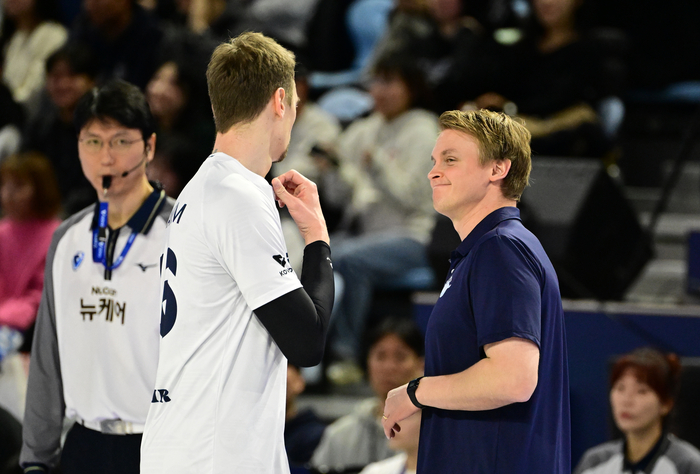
(411, 390)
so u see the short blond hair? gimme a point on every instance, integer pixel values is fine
(242, 76)
(499, 138)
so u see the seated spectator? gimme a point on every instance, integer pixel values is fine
(281, 19)
(177, 97)
(406, 442)
(446, 42)
(32, 34)
(409, 20)
(555, 79)
(385, 158)
(643, 386)
(303, 428)
(125, 37)
(11, 123)
(312, 126)
(310, 153)
(175, 162)
(395, 356)
(30, 203)
(70, 73)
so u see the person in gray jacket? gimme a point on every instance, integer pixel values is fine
(95, 348)
(643, 383)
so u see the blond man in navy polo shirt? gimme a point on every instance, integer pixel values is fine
(495, 395)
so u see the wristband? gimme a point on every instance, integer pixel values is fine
(411, 390)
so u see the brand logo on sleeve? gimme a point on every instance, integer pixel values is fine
(284, 262)
(78, 259)
(280, 259)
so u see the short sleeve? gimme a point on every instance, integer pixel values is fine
(505, 291)
(247, 238)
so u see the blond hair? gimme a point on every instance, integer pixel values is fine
(499, 138)
(242, 76)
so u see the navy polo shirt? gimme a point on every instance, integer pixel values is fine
(501, 285)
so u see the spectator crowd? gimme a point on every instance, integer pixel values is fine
(372, 78)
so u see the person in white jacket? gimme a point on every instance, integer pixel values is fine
(385, 157)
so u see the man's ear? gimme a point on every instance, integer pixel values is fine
(150, 147)
(500, 169)
(278, 99)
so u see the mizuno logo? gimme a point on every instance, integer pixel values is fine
(145, 267)
(280, 259)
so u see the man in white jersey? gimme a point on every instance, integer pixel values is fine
(233, 309)
(95, 347)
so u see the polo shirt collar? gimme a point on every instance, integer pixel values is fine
(143, 219)
(486, 224)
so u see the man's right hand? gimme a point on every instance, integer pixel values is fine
(300, 195)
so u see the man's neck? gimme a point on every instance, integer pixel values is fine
(249, 144)
(121, 209)
(466, 222)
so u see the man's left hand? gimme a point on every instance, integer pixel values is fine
(397, 407)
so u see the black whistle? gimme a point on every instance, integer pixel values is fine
(106, 182)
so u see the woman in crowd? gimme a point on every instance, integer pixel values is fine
(30, 204)
(176, 95)
(30, 34)
(644, 383)
(555, 78)
(395, 356)
(406, 442)
(385, 158)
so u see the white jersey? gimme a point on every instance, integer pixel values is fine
(96, 339)
(219, 400)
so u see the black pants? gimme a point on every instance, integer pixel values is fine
(88, 451)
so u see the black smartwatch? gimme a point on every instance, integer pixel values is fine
(411, 389)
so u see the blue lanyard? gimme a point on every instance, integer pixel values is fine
(99, 241)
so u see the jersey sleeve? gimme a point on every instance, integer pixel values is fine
(505, 291)
(248, 240)
(45, 405)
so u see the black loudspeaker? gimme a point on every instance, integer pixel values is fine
(685, 417)
(587, 227)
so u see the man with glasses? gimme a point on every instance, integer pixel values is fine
(96, 342)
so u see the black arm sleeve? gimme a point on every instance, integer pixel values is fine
(298, 321)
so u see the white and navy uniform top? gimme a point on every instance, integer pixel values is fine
(95, 349)
(669, 455)
(219, 402)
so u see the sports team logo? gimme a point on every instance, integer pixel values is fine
(78, 259)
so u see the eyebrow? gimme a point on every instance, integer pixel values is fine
(448, 151)
(119, 133)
